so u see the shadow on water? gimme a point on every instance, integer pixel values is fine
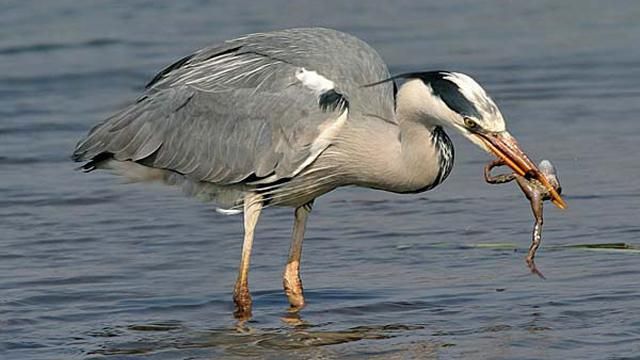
(295, 338)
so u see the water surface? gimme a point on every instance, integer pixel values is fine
(93, 268)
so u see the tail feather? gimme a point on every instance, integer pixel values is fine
(93, 164)
(227, 197)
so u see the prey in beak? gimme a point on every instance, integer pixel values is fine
(506, 148)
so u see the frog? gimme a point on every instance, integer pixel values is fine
(536, 193)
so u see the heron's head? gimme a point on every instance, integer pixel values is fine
(457, 101)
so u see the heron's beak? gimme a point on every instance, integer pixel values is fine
(506, 148)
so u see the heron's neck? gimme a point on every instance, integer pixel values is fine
(423, 153)
(398, 158)
(417, 163)
(406, 156)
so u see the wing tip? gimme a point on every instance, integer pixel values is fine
(92, 164)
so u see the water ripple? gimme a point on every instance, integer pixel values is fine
(93, 269)
(84, 45)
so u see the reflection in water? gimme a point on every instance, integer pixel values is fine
(90, 267)
(293, 318)
(297, 338)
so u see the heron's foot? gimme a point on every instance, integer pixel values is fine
(293, 285)
(242, 299)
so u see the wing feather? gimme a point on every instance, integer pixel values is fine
(236, 111)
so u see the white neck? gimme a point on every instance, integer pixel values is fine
(416, 103)
(397, 158)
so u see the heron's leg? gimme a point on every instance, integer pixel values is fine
(241, 295)
(291, 277)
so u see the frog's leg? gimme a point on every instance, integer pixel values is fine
(498, 179)
(536, 207)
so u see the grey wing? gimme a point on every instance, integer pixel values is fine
(229, 114)
(256, 61)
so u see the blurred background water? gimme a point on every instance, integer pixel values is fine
(93, 268)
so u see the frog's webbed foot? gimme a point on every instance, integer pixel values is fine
(498, 179)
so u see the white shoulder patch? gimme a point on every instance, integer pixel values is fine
(314, 81)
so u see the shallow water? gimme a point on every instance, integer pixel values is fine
(93, 268)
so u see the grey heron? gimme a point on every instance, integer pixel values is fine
(280, 118)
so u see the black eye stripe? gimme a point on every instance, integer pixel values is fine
(449, 92)
(444, 88)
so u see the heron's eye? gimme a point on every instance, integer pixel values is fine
(470, 123)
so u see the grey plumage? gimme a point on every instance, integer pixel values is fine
(281, 118)
(236, 113)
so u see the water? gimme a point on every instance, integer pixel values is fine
(93, 268)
